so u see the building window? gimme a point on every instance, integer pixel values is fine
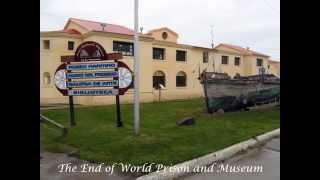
(181, 79)
(181, 55)
(46, 44)
(158, 53)
(159, 78)
(268, 66)
(205, 56)
(259, 62)
(125, 48)
(70, 45)
(224, 59)
(46, 78)
(237, 61)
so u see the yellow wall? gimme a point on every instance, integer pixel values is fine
(274, 68)
(229, 68)
(157, 35)
(251, 67)
(146, 71)
(50, 60)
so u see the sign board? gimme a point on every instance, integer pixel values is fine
(112, 78)
(89, 51)
(110, 56)
(85, 75)
(92, 66)
(89, 62)
(81, 84)
(93, 92)
(65, 80)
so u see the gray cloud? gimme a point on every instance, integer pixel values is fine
(253, 23)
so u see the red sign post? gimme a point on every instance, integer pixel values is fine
(91, 56)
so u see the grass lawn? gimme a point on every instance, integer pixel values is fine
(161, 140)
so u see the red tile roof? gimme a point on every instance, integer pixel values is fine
(96, 26)
(71, 31)
(241, 49)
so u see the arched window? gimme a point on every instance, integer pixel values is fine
(159, 78)
(46, 78)
(181, 79)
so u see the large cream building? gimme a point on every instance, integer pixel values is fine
(162, 59)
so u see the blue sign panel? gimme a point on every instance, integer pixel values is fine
(92, 66)
(93, 92)
(85, 75)
(76, 84)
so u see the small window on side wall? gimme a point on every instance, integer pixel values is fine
(205, 56)
(46, 78)
(259, 62)
(181, 79)
(224, 59)
(46, 44)
(237, 61)
(70, 45)
(181, 55)
(158, 53)
(126, 48)
(158, 78)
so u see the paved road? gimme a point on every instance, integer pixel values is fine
(267, 157)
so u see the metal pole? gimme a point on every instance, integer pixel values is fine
(71, 107)
(119, 122)
(205, 86)
(159, 94)
(136, 70)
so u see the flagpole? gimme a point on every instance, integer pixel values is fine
(136, 70)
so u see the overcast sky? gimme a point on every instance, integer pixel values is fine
(248, 23)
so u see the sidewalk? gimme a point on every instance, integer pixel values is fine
(267, 156)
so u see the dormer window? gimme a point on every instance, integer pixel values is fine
(164, 35)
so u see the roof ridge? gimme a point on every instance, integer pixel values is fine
(163, 27)
(228, 44)
(87, 20)
(245, 50)
(98, 22)
(234, 47)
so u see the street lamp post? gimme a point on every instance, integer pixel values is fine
(136, 70)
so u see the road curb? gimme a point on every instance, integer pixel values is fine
(210, 158)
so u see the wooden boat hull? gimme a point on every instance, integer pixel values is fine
(227, 94)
